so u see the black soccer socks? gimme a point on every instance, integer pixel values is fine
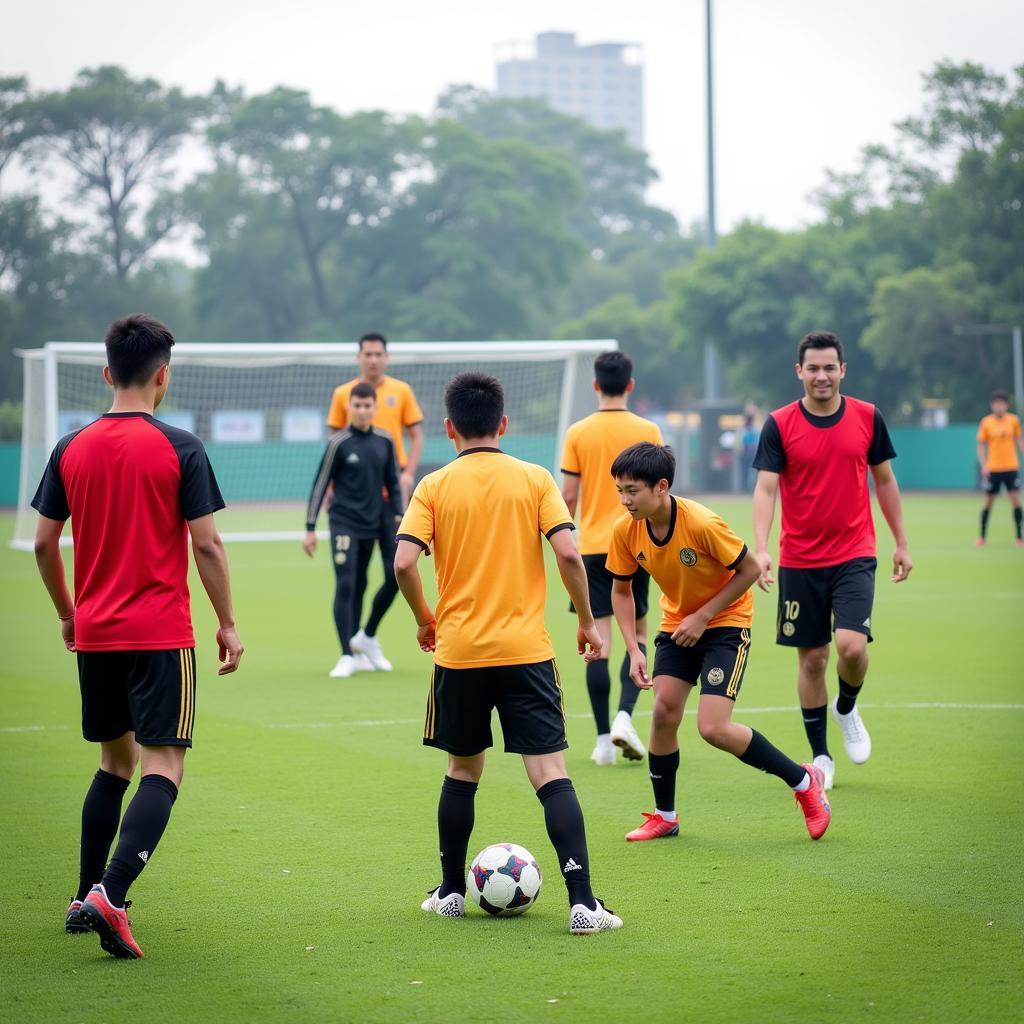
(599, 688)
(630, 691)
(563, 817)
(143, 825)
(816, 727)
(1018, 521)
(101, 814)
(455, 816)
(847, 697)
(663, 768)
(762, 755)
(984, 522)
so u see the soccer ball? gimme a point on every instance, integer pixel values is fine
(504, 879)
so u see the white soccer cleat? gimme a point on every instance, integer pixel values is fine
(362, 663)
(603, 753)
(626, 738)
(828, 769)
(584, 921)
(369, 648)
(453, 905)
(855, 736)
(345, 667)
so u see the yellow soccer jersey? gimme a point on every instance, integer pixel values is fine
(485, 514)
(1000, 433)
(397, 409)
(591, 446)
(695, 560)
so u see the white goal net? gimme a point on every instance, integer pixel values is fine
(261, 411)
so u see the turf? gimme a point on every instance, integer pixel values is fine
(287, 886)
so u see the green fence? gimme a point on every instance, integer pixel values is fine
(281, 471)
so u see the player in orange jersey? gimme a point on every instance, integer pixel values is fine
(999, 441)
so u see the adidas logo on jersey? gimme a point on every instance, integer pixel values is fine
(571, 865)
(641, 557)
(352, 457)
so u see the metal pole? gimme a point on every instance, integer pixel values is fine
(712, 372)
(1018, 370)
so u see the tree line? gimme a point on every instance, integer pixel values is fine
(500, 218)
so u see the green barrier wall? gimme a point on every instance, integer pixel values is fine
(926, 460)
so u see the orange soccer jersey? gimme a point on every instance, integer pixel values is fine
(485, 514)
(591, 446)
(695, 560)
(1000, 433)
(397, 409)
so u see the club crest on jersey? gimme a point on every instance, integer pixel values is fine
(715, 676)
(392, 400)
(688, 556)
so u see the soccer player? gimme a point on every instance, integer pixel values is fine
(816, 453)
(134, 489)
(484, 514)
(591, 445)
(399, 414)
(359, 465)
(998, 441)
(705, 573)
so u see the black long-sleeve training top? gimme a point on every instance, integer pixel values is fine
(361, 464)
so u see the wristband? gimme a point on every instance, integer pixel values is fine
(66, 618)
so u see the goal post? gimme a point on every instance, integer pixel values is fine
(261, 410)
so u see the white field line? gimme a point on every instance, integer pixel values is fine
(741, 711)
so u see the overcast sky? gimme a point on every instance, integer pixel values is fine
(801, 84)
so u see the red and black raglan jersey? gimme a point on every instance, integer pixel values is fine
(129, 484)
(822, 462)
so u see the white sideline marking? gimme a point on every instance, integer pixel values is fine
(741, 710)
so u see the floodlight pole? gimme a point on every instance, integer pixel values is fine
(712, 369)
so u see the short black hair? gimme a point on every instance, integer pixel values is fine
(999, 395)
(373, 336)
(137, 346)
(475, 403)
(646, 462)
(819, 339)
(613, 372)
(363, 390)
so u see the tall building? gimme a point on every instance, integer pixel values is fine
(601, 83)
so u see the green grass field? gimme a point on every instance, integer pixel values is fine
(288, 884)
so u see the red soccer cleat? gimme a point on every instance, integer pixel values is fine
(814, 803)
(1019, 542)
(980, 542)
(73, 919)
(110, 924)
(655, 827)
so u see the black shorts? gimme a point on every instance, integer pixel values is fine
(814, 602)
(718, 660)
(528, 699)
(599, 583)
(150, 693)
(1010, 479)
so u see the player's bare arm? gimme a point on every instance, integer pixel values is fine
(51, 569)
(408, 575)
(765, 494)
(887, 490)
(983, 458)
(408, 475)
(212, 563)
(624, 608)
(574, 579)
(571, 492)
(691, 629)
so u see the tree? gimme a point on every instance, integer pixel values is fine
(18, 123)
(118, 136)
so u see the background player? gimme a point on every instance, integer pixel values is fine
(134, 489)
(484, 513)
(816, 453)
(591, 445)
(399, 414)
(998, 441)
(359, 467)
(705, 573)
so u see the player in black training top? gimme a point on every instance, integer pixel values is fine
(359, 462)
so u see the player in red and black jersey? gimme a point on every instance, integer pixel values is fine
(816, 453)
(135, 490)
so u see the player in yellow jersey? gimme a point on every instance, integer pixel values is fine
(591, 445)
(999, 441)
(485, 515)
(399, 414)
(705, 573)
